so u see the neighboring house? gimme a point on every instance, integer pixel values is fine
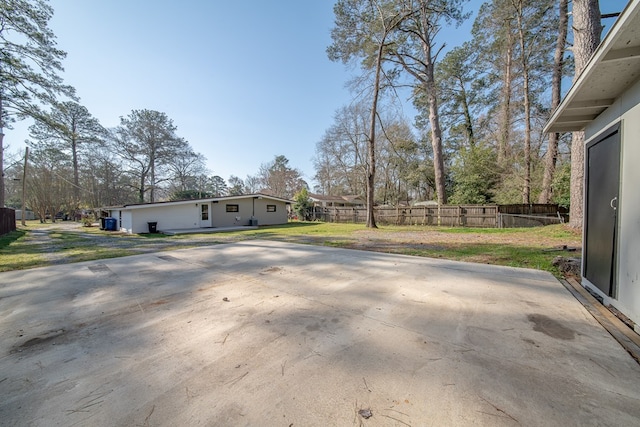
(605, 103)
(29, 215)
(323, 201)
(252, 209)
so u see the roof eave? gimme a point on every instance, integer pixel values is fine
(573, 116)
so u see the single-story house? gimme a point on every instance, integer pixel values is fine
(604, 102)
(215, 212)
(320, 200)
(29, 215)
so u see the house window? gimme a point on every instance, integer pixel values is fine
(271, 208)
(233, 208)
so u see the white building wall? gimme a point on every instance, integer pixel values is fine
(135, 219)
(168, 217)
(125, 221)
(626, 107)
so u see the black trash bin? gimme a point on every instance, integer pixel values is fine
(102, 223)
(153, 227)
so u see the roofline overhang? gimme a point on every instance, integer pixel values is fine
(204, 200)
(603, 53)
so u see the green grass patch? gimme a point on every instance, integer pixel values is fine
(34, 224)
(494, 254)
(17, 253)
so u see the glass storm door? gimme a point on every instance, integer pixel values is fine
(205, 215)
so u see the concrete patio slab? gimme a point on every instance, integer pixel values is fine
(269, 333)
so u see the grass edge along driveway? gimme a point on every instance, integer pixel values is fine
(38, 245)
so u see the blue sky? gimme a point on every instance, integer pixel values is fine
(243, 81)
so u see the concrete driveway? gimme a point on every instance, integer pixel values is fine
(263, 333)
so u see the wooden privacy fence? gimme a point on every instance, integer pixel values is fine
(7, 221)
(491, 216)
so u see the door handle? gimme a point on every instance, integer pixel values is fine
(614, 200)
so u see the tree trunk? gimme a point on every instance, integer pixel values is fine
(152, 186)
(2, 155)
(434, 118)
(505, 117)
(526, 190)
(141, 189)
(468, 121)
(2, 165)
(587, 29)
(76, 175)
(436, 143)
(550, 160)
(556, 88)
(371, 142)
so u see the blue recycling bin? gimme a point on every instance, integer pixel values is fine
(111, 224)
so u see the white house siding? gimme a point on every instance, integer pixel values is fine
(126, 221)
(116, 214)
(186, 214)
(626, 107)
(167, 216)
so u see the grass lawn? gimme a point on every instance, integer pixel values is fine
(519, 247)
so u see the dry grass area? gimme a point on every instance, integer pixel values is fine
(544, 237)
(531, 247)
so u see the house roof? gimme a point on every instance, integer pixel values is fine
(613, 67)
(341, 199)
(204, 200)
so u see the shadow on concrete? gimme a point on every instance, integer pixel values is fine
(263, 332)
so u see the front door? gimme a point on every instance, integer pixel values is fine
(603, 182)
(205, 215)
